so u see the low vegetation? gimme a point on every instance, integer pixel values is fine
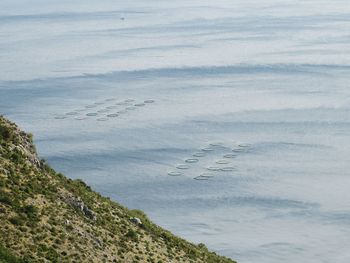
(46, 217)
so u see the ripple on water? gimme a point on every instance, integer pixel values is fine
(223, 161)
(174, 173)
(207, 149)
(228, 169)
(80, 118)
(216, 144)
(201, 178)
(183, 166)
(91, 114)
(113, 115)
(198, 154)
(191, 160)
(72, 113)
(207, 175)
(230, 156)
(213, 168)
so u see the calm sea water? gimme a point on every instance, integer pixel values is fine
(251, 96)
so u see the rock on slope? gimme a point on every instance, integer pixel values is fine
(46, 217)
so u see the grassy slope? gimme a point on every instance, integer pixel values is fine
(40, 223)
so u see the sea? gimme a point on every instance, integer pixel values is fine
(227, 122)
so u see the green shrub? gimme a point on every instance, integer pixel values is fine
(31, 212)
(16, 157)
(5, 134)
(5, 198)
(131, 234)
(17, 220)
(52, 255)
(7, 257)
(203, 247)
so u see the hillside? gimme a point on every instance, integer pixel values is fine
(46, 217)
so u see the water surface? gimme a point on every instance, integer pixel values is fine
(269, 76)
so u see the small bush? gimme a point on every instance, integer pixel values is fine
(16, 157)
(5, 134)
(52, 255)
(5, 199)
(203, 247)
(17, 221)
(131, 234)
(6, 256)
(30, 211)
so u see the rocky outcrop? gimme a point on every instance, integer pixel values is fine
(79, 205)
(136, 221)
(19, 142)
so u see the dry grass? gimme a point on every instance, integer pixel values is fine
(38, 224)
